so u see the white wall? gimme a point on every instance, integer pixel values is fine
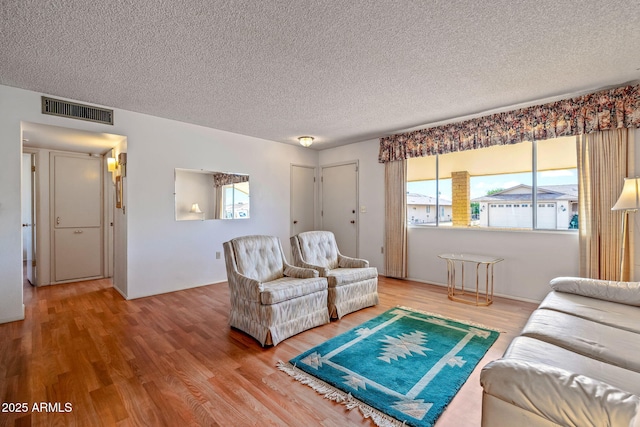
(11, 307)
(531, 259)
(162, 255)
(371, 196)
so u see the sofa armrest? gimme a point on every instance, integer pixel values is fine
(348, 262)
(621, 292)
(300, 272)
(563, 397)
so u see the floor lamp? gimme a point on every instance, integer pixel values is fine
(629, 201)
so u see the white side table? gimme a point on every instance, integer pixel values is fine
(459, 294)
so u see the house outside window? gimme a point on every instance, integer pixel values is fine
(520, 186)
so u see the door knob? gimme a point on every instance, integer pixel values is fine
(353, 222)
(295, 221)
(58, 221)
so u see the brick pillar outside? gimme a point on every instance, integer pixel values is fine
(461, 205)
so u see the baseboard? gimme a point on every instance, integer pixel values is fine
(120, 292)
(13, 318)
(444, 285)
(176, 290)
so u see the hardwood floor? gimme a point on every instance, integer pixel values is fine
(172, 360)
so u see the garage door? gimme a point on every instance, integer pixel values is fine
(547, 217)
(511, 215)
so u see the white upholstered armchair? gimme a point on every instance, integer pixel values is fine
(270, 299)
(352, 283)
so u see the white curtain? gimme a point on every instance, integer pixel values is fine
(395, 179)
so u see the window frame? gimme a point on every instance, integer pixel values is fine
(530, 205)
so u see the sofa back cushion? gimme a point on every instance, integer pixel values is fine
(607, 290)
(259, 257)
(319, 248)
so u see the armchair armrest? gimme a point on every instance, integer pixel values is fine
(322, 271)
(608, 290)
(245, 287)
(538, 388)
(348, 262)
(300, 272)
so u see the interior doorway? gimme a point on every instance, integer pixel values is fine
(39, 143)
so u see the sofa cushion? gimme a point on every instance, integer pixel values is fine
(606, 312)
(259, 257)
(341, 276)
(559, 395)
(536, 351)
(287, 288)
(595, 340)
(622, 292)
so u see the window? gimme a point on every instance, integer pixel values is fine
(235, 200)
(539, 179)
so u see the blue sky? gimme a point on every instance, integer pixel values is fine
(481, 184)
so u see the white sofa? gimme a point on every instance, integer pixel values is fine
(576, 362)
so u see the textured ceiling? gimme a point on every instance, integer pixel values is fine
(341, 71)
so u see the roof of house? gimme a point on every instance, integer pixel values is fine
(545, 193)
(421, 199)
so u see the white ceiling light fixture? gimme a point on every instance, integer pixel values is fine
(305, 141)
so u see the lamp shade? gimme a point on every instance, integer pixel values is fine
(195, 208)
(630, 196)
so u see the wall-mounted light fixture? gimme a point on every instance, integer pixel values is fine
(112, 164)
(305, 141)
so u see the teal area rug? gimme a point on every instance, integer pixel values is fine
(403, 366)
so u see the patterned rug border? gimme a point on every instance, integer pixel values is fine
(334, 394)
(453, 319)
(329, 392)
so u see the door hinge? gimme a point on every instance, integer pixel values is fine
(33, 168)
(321, 213)
(314, 179)
(33, 263)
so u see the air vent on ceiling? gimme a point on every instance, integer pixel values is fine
(57, 107)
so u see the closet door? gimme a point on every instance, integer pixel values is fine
(339, 205)
(77, 217)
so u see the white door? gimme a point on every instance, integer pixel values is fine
(28, 215)
(339, 205)
(303, 199)
(77, 217)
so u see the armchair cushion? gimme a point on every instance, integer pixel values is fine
(286, 288)
(259, 257)
(318, 248)
(342, 276)
(607, 290)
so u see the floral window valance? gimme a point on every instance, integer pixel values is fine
(220, 179)
(607, 109)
